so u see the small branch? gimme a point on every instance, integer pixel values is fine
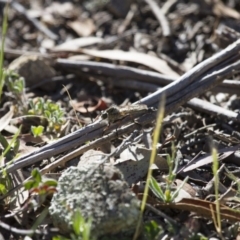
(127, 20)
(22, 231)
(20, 9)
(212, 109)
(129, 76)
(160, 17)
(163, 215)
(167, 5)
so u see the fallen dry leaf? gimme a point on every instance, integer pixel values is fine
(134, 163)
(198, 206)
(141, 58)
(203, 208)
(160, 161)
(26, 149)
(75, 44)
(133, 171)
(83, 28)
(203, 160)
(221, 10)
(84, 107)
(5, 120)
(187, 187)
(91, 157)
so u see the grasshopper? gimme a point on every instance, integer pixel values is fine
(116, 113)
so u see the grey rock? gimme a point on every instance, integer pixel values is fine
(100, 193)
(34, 69)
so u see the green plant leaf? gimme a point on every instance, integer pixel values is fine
(77, 222)
(47, 114)
(37, 131)
(3, 189)
(14, 82)
(156, 189)
(16, 146)
(36, 175)
(151, 230)
(50, 182)
(3, 141)
(30, 184)
(8, 148)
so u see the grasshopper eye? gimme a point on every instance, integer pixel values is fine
(110, 110)
(104, 115)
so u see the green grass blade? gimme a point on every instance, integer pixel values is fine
(4, 32)
(156, 135)
(216, 186)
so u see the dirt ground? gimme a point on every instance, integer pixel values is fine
(85, 78)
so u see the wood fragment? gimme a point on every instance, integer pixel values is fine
(160, 17)
(20, 8)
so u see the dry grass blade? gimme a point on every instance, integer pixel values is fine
(203, 208)
(5, 120)
(204, 160)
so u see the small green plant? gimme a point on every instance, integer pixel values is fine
(10, 149)
(15, 84)
(41, 186)
(81, 228)
(10, 152)
(46, 110)
(5, 183)
(152, 230)
(49, 111)
(37, 131)
(169, 193)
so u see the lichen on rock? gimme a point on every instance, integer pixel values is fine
(99, 193)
